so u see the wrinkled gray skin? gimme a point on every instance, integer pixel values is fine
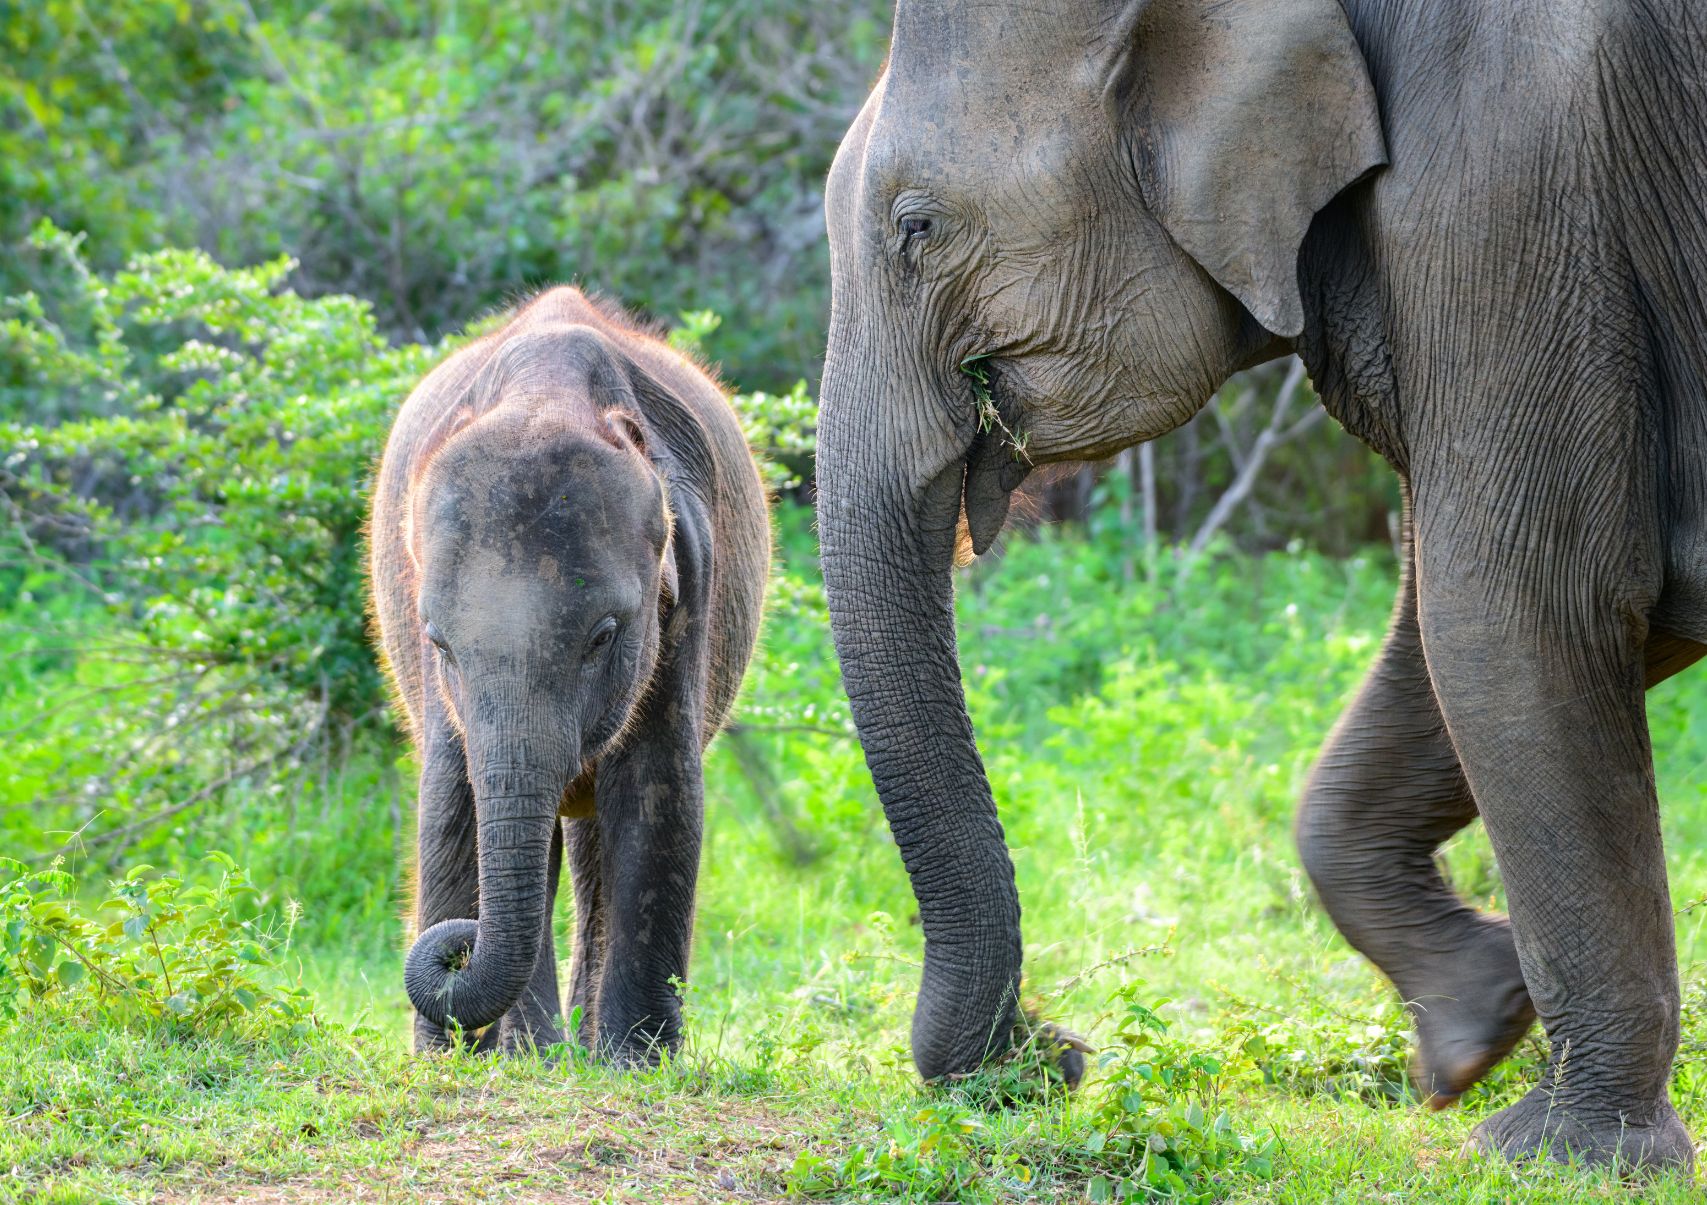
(1481, 225)
(569, 552)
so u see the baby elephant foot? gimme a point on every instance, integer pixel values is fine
(435, 1039)
(1475, 1012)
(637, 1049)
(516, 1038)
(1546, 1122)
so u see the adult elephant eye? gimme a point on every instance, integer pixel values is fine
(915, 227)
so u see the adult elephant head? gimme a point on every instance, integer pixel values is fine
(1097, 209)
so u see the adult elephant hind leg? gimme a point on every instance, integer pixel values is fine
(1539, 673)
(1386, 792)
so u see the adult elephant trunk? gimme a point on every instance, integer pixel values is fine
(471, 971)
(891, 462)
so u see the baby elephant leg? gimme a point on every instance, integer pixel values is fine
(650, 816)
(535, 1021)
(1386, 793)
(588, 967)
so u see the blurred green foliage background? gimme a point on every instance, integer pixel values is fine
(440, 158)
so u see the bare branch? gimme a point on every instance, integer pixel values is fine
(1271, 436)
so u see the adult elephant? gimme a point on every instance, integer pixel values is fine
(1482, 226)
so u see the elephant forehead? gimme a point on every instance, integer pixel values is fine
(991, 151)
(496, 607)
(976, 39)
(542, 497)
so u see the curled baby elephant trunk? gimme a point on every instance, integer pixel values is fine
(473, 972)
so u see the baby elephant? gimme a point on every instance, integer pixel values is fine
(569, 554)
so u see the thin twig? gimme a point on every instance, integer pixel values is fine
(1072, 981)
(1275, 433)
(212, 789)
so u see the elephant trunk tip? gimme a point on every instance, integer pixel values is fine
(436, 976)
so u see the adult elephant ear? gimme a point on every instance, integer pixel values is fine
(1245, 117)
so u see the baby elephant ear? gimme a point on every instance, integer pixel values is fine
(1246, 117)
(626, 427)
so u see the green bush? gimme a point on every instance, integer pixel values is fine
(1158, 1127)
(183, 547)
(1327, 1053)
(436, 158)
(185, 959)
(223, 474)
(195, 524)
(1151, 1124)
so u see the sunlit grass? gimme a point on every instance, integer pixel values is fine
(1146, 746)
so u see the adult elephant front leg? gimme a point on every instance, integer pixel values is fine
(1537, 657)
(1385, 794)
(891, 464)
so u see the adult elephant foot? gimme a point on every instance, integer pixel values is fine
(1055, 1049)
(1476, 1011)
(1564, 1127)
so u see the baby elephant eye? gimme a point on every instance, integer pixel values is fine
(915, 227)
(602, 635)
(436, 638)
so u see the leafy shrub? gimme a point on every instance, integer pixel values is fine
(933, 1154)
(202, 503)
(1158, 1127)
(1152, 1125)
(1326, 1053)
(436, 158)
(192, 519)
(223, 465)
(180, 957)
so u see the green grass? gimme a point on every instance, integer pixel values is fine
(1146, 743)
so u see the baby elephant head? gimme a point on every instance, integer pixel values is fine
(542, 536)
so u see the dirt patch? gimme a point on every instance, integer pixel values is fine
(567, 1145)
